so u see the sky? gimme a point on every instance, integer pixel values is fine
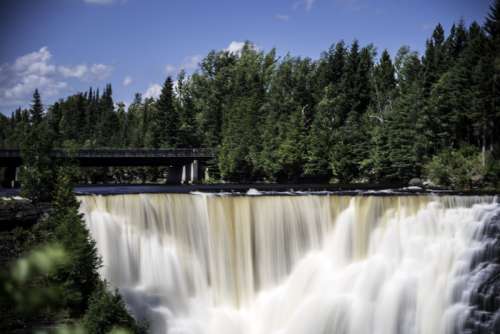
(65, 46)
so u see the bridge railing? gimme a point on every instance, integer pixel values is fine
(178, 152)
(9, 153)
(122, 153)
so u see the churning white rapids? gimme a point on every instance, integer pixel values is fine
(193, 263)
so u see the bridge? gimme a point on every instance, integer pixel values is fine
(185, 165)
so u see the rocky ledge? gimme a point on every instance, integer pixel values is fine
(16, 211)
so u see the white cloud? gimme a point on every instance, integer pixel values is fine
(100, 71)
(282, 17)
(188, 64)
(77, 71)
(28, 84)
(94, 72)
(34, 63)
(36, 70)
(191, 62)
(27, 73)
(235, 47)
(127, 81)
(154, 91)
(170, 69)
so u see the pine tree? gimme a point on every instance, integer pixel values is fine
(492, 24)
(36, 110)
(36, 172)
(107, 119)
(330, 69)
(434, 60)
(320, 138)
(292, 149)
(167, 117)
(80, 278)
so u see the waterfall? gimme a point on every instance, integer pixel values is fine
(198, 263)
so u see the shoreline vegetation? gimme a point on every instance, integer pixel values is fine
(353, 116)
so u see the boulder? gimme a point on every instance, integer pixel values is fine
(415, 182)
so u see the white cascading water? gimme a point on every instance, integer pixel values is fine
(290, 264)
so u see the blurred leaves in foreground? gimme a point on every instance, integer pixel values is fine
(25, 285)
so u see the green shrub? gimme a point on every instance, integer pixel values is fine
(458, 169)
(107, 312)
(79, 278)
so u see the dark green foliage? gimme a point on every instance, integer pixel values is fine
(36, 110)
(107, 312)
(27, 298)
(79, 278)
(188, 131)
(58, 281)
(36, 174)
(460, 169)
(321, 137)
(165, 123)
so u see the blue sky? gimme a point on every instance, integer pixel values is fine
(65, 46)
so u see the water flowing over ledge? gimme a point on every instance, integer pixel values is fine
(195, 263)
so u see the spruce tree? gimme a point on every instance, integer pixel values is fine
(492, 24)
(320, 138)
(36, 171)
(167, 117)
(36, 110)
(80, 277)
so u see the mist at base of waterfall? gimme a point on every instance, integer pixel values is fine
(291, 264)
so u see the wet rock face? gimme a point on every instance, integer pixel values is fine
(485, 293)
(16, 212)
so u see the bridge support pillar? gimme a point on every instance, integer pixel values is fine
(185, 176)
(10, 177)
(194, 171)
(174, 174)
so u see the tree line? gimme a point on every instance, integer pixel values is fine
(350, 116)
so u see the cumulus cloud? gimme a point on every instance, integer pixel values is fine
(191, 62)
(100, 71)
(28, 72)
(188, 64)
(127, 81)
(35, 70)
(77, 71)
(94, 72)
(235, 47)
(153, 91)
(34, 63)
